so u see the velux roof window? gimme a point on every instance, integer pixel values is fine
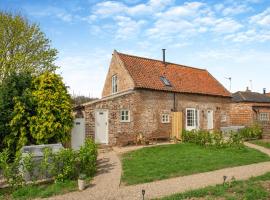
(165, 81)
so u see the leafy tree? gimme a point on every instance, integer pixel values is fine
(78, 100)
(12, 87)
(53, 119)
(23, 47)
(20, 136)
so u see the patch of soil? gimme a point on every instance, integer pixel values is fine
(266, 185)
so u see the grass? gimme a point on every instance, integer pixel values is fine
(162, 162)
(262, 143)
(41, 191)
(254, 188)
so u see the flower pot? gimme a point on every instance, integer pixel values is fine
(81, 184)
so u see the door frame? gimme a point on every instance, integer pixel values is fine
(107, 127)
(212, 112)
(196, 123)
(74, 133)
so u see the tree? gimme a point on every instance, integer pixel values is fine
(12, 87)
(53, 119)
(78, 100)
(23, 47)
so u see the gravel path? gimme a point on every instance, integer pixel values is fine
(260, 148)
(105, 185)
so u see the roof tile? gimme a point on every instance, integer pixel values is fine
(146, 74)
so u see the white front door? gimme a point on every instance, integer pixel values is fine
(210, 119)
(101, 126)
(192, 119)
(78, 133)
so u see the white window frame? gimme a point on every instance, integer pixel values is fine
(114, 84)
(165, 118)
(196, 123)
(124, 115)
(264, 117)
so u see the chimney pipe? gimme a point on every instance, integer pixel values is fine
(264, 90)
(164, 54)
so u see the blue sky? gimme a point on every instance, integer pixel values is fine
(230, 38)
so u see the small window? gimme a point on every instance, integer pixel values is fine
(165, 81)
(264, 116)
(114, 84)
(124, 116)
(165, 118)
(224, 118)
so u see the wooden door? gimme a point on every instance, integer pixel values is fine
(177, 125)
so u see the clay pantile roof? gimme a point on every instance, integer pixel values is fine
(249, 96)
(146, 73)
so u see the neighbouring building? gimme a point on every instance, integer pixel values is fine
(142, 95)
(249, 108)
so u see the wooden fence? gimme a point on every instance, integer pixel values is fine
(177, 125)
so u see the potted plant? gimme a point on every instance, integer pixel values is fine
(82, 181)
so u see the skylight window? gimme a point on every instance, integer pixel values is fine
(165, 81)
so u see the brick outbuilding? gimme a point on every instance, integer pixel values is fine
(249, 108)
(141, 95)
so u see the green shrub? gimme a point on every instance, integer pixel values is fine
(251, 133)
(28, 165)
(11, 170)
(64, 165)
(88, 157)
(236, 139)
(216, 139)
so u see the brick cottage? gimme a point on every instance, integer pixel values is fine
(141, 95)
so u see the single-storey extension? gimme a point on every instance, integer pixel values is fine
(248, 108)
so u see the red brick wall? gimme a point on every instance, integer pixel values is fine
(125, 81)
(247, 114)
(241, 114)
(146, 108)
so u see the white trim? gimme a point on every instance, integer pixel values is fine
(210, 125)
(128, 115)
(196, 120)
(107, 125)
(264, 116)
(165, 118)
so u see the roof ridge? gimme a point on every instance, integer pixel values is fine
(162, 61)
(242, 95)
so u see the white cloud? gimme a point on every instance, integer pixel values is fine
(187, 10)
(50, 11)
(127, 27)
(226, 25)
(110, 8)
(169, 28)
(85, 73)
(236, 9)
(252, 35)
(262, 19)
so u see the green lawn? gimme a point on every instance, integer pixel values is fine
(161, 162)
(35, 191)
(262, 143)
(254, 188)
